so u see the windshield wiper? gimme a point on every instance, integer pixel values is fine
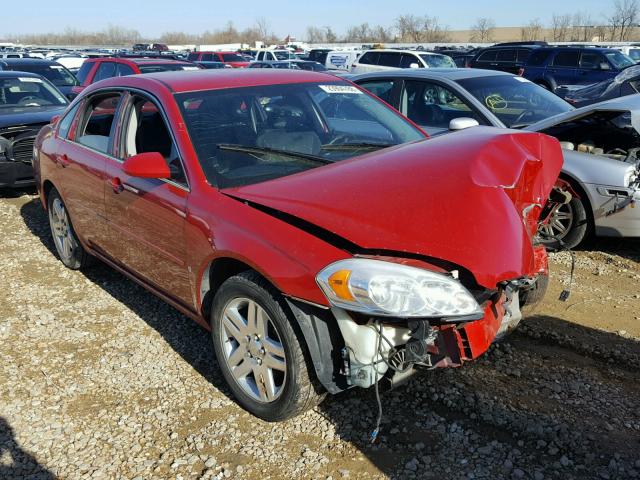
(285, 153)
(357, 146)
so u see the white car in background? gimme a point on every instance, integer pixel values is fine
(382, 59)
(275, 55)
(342, 59)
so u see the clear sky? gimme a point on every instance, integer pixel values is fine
(151, 18)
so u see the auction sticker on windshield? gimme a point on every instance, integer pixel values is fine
(339, 89)
(29, 80)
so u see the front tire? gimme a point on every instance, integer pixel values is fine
(568, 226)
(70, 250)
(258, 350)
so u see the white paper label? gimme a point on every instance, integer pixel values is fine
(29, 80)
(340, 89)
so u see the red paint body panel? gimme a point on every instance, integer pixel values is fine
(439, 198)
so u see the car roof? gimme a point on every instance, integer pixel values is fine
(195, 80)
(28, 61)
(215, 51)
(17, 73)
(417, 52)
(432, 73)
(138, 61)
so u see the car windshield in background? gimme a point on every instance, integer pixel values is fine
(232, 57)
(166, 67)
(284, 55)
(249, 135)
(26, 92)
(56, 74)
(438, 61)
(514, 100)
(315, 66)
(619, 60)
(634, 54)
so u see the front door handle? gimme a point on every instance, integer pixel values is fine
(116, 185)
(63, 160)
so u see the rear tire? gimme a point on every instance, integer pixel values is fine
(70, 250)
(575, 221)
(260, 354)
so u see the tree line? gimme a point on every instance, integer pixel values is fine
(621, 24)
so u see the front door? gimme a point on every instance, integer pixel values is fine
(147, 216)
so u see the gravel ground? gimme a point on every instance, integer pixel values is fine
(99, 379)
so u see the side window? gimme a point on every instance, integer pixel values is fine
(65, 122)
(380, 88)
(105, 70)
(407, 59)
(84, 71)
(591, 60)
(506, 55)
(523, 55)
(95, 128)
(369, 58)
(260, 56)
(566, 59)
(432, 105)
(124, 70)
(389, 59)
(207, 57)
(537, 58)
(193, 56)
(146, 131)
(488, 56)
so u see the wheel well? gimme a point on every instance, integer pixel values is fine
(46, 188)
(583, 197)
(218, 271)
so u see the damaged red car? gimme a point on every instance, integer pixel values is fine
(324, 242)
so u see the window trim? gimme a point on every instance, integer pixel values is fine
(82, 118)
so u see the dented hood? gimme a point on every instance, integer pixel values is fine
(608, 109)
(458, 198)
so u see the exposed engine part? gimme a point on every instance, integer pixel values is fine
(512, 314)
(587, 146)
(417, 348)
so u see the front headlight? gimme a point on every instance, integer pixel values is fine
(390, 289)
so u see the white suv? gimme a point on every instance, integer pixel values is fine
(376, 60)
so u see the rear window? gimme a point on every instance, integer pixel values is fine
(84, 71)
(566, 59)
(538, 58)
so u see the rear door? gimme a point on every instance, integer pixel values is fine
(146, 216)
(486, 60)
(506, 60)
(563, 68)
(366, 63)
(105, 70)
(389, 60)
(86, 143)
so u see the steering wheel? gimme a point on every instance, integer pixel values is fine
(523, 115)
(496, 102)
(26, 100)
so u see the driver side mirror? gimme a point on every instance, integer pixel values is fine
(462, 123)
(414, 65)
(146, 165)
(605, 66)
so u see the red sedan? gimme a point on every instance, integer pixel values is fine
(230, 58)
(323, 241)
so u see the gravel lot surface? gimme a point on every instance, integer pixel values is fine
(99, 379)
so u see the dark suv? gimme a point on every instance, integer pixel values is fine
(555, 66)
(506, 57)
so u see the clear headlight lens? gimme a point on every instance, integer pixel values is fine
(389, 289)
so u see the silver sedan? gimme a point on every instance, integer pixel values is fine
(601, 142)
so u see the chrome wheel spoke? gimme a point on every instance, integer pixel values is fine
(265, 383)
(275, 363)
(236, 356)
(242, 370)
(234, 324)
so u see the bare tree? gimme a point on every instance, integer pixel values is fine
(263, 29)
(532, 31)
(329, 35)
(625, 17)
(482, 30)
(409, 28)
(560, 25)
(314, 35)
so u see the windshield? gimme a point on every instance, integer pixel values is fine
(281, 55)
(166, 67)
(56, 74)
(438, 61)
(310, 124)
(619, 60)
(514, 100)
(232, 57)
(28, 92)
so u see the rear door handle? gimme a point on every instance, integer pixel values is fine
(116, 185)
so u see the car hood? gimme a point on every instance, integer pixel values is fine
(614, 107)
(12, 117)
(457, 198)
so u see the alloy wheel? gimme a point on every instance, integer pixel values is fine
(253, 350)
(61, 229)
(560, 222)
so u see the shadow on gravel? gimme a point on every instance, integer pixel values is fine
(551, 390)
(628, 248)
(16, 462)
